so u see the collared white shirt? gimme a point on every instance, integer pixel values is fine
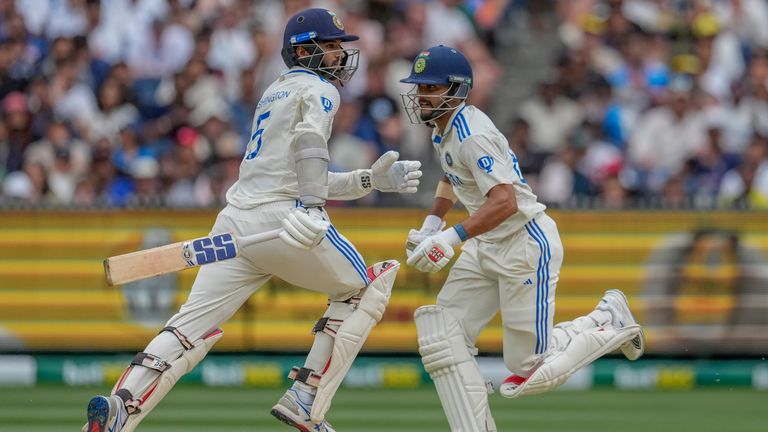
(298, 102)
(475, 157)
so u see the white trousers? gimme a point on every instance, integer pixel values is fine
(334, 267)
(517, 276)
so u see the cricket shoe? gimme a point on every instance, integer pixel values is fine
(105, 414)
(293, 412)
(510, 384)
(616, 303)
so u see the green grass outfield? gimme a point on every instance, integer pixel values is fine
(193, 408)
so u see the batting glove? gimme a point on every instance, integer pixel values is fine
(305, 228)
(435, 251)
(432, 225)
(391, 175)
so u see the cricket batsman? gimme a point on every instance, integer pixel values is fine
(510, 260)
(283, 182)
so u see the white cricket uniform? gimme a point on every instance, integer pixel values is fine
(515, 266)
(298, 102)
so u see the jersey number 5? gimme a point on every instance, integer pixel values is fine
(256, 137)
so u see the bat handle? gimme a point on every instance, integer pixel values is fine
(258, 238)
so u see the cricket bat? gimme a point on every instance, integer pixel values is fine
(147, 263)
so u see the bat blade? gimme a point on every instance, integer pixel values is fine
(130, 267)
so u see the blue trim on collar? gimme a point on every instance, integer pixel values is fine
(306, 72)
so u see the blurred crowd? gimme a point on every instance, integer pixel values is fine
(607, 103)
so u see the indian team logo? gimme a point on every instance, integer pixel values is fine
(448, 159)
(420, 65)
(336, 20)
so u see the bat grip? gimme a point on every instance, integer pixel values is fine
(252, 239)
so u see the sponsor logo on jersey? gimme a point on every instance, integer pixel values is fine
(485, 163)
(420, 65)
(448, 159)
(327, 104)
(336, 20)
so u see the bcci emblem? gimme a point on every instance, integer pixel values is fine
(336, 20)
(420, 65)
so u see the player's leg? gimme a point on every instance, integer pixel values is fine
(572, 344)
(358, 296)
(447, 334)
(529, 264)
(218, 291)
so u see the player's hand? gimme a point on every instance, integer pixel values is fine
(305, 228)
(432, 225)
(391, 175)
(433, 253)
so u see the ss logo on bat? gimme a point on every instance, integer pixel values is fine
(215, 248)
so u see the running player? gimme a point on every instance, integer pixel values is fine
(510, 260)
(284, 181)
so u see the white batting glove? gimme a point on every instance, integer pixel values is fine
(432, 225)
(435, 251)
(391, 175)
(305, 228)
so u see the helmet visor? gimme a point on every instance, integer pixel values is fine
(342, 70)
(420, 114)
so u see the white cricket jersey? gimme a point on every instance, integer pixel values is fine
(298, 102)
(475, 157)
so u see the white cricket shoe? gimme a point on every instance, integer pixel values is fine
(105, 414)
(293, 412)
(510, 384)
(616, 302)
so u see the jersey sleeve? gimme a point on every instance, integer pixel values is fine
(319, 103)
(489, 160)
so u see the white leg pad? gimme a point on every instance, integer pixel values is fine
(179, 367)
(566, 358)
(352, 335)
(452, 367)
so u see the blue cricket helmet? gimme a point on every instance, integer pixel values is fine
(440, 65)
(309, 27)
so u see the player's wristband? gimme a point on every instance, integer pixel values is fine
(461, 232)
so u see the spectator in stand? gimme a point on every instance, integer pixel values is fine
(18, 121)
(667, 136)
(551, 116)
(160, 52)
(747, 185)
(114, 112)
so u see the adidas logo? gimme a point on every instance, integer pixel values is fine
(528, 282)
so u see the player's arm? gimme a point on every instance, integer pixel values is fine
(387, 174)
(488, 161)
(500, 205)
(306, 227)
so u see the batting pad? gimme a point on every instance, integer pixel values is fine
(583, 348)
(453, 368)
(353, 332)
(168, 379)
